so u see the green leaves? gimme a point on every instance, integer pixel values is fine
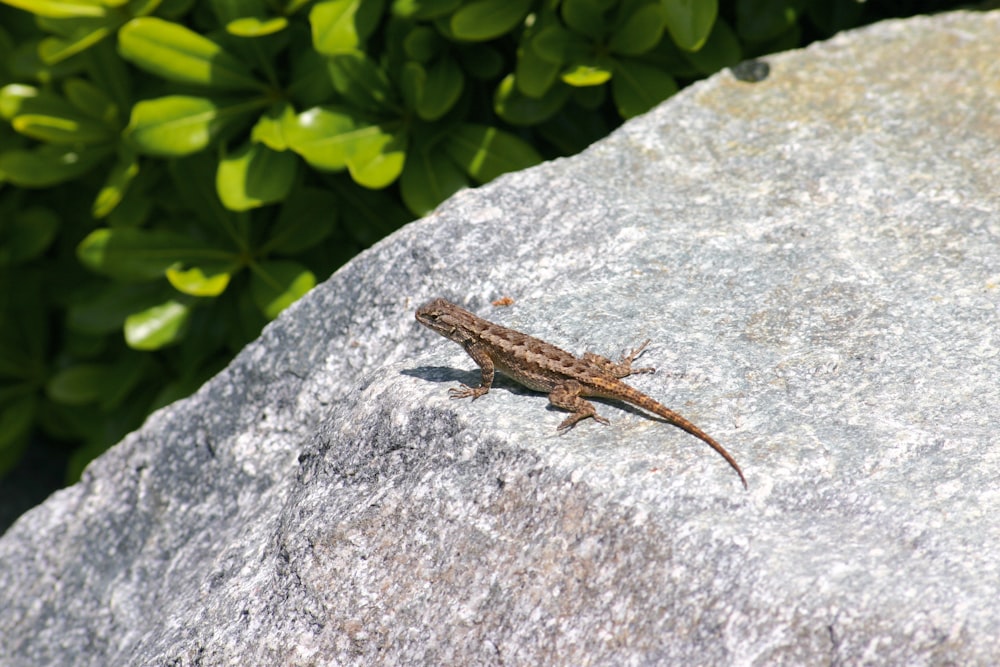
(177, 54)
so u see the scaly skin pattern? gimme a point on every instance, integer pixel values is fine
(544, 367)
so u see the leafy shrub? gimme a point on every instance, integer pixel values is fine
(173, 174)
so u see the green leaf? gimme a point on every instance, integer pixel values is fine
(376, 158)
(591, 72)
(91, 101)
(116, 185)
(342, 26)
(16, 419)
(638, 87)
(423, 9)
(270, 127)
(179, 125)
(533, 74)
(721, 50)
(48, 164)
(79, 384)
(422, 44)
(760, 20)
(157, 327)
(25, 234)
(306, 218)
(106, 312)
(361, 81)
(690, 23)
(557, 45)
(208, 280)
(180, 55)
(275, 285)
(139, 254)
(60, 8)
(639, 32)
(62, 130)
(252, 26)
(486, 152)
(428, 179)
(519, 109)
(433, 91)
(83, 34)
(324, 136)
(254, 175)
(480, 20)
(585, 17)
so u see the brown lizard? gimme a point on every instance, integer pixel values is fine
(544, 367)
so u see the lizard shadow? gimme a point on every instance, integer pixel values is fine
(447, 374)
(454, 376)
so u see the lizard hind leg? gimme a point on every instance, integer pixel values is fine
(567, 396)
(624, 366)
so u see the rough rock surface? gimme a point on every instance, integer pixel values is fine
(817, 260)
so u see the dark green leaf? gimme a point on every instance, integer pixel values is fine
(140, 254)
(486, 152)
(638, 87)
(306, 218)
(275, 285)
(428, 179)
(480, 20)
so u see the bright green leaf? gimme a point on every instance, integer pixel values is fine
(157, 327)
(638, 87)
(181, 55)
(591, 73)
(254, 175)
(324, 136)
(486, 152)
(179, 125)
(275, 285)
(270, 127)
(480, 20)
(256, 27)
(86, 33)
(201, 280)
(342, 26)
(60, 8)
(639, 32)
(376, 158)
(690, 23)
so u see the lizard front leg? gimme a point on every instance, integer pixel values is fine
(482, 358)
(567, 396)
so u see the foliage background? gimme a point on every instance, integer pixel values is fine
(174, 173)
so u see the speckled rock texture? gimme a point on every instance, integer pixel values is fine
(816, 258)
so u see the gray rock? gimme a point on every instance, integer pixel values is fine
(817, 260)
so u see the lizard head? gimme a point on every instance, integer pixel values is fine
(442, 316)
